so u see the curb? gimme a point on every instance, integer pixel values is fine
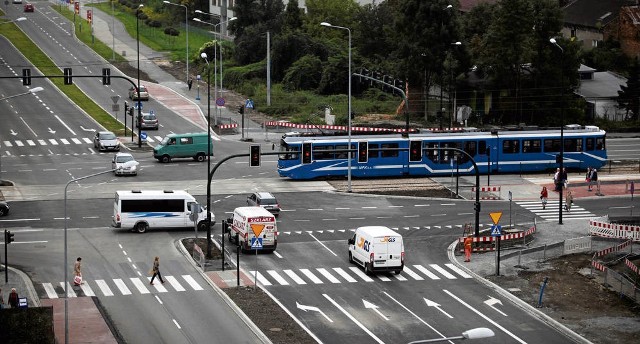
(576, 338)
(31, 291)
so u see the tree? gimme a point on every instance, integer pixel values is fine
(629, 95)
(304, 74)
(292, 16)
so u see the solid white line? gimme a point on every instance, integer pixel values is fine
(415, 315)
(485, 317)
(177, 325)
(323, 245)
(65, 125)
(355, 321)
(25, 123)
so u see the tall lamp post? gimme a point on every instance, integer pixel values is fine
(204, 56)
(349, 101)
(138, 88)
(127, 164)
(452, 104)
(554, 42)
(186, 25)
(442, 74)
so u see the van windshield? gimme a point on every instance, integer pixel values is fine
(165, 141)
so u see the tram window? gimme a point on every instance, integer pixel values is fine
(510, 146)
(531, 146)
(322, 152)
(389, 150)
(448, 154)
(578, 145)
(285, 149)
(373, 150)
(600, 143)
(471, 148)
(482, 147)
(572, 145)
(433, 153)
(590, 143)
(343, 154)
(552, 145)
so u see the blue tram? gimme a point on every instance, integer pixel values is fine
(500, 151)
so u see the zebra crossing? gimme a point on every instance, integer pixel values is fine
(122, 287)
(550, 213)
(67, 141)
(397, 229)
(354, 274)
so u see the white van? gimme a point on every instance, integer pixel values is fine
(377, 248)
(140, 210)
(253, 222)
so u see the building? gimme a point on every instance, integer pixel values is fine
(586, 20)
(600, 91)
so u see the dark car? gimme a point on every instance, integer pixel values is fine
(28, 7)
(265, 200)
(148, 121)
(4, 208)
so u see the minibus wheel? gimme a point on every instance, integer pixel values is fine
(199, 157)
(165, 159)
(142, 227)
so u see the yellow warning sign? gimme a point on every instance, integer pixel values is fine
(495, 217)
(258, 227)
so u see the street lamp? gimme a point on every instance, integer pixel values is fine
(453, 109)
(138, 90)
(186, 25)
(560, 176)
(442, 74)
(475, 333)
(127, 164)
(215, 52)
(204, 56)
(349, 101)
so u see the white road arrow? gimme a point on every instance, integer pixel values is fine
(13, 133)
(436, 306)
(493, 301)
(312, 308)
(370, 305)
(51, 131)
(83, 128)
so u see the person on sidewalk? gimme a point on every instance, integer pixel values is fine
(13, 298)
(190, 83)
(544, 195)
(594, 179)
(565, 178)
(556, 180)
(468, 241)
(588, 179)
(77, 272)
(156, 270)
(568, 201)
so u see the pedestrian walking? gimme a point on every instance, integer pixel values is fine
(77, 272)
(544, 195)
(468, 241)
(587, 178)
(156, 270)
(565, 178)
(568, 201)
(594, 179)
(556, 180)
(190, 83)
(13, 298)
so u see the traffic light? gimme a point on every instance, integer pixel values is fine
(306, 152)
(476, 206)
(26, 76)
(415, 151)
(363, 151)
(241, 109)
(106, 76)
(8, 237)
(126, 108)
(68, 77)
(254, 156)
(131, 111)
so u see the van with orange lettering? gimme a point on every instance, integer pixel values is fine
(255, 227)
(377, 248)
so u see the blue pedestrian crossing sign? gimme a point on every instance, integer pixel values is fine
(256, 243)
(496, 230)
(248, 104)
(138, 105)
(143, 136)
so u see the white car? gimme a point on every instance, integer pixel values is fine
(118, 164)
(106, 140)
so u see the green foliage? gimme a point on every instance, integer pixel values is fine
(288, 49)
(304, 74)
(607, 56)
(629, 95)
(30, 325)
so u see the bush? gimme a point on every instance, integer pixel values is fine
(171, 31)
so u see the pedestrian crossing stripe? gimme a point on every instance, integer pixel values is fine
(68, 141)
(317, 276)
(550, 213)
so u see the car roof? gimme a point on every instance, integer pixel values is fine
(105, 132)
(265, 195)
(123, 153)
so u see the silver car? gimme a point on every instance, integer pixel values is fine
(106, 140)
(144, 94)
(148, 121)
(265, 200)
(118, 164)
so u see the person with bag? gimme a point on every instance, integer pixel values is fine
(569, 201)
(544, 195)
(588, 179)
(13, 298)
(77, 272)
(156, 270)
(556, 180)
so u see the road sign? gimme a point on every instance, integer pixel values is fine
(220, 101)
(151, 112)
(257, 228)
(495, 217)
(256, 243)
(248, 104)
(496, 230)
(143, 136)
(115, 99)
(138, 105)
(198, 77)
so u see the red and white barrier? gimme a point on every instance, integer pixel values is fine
(613, 248)
(631, 266)
(331, 127)
(491, 239)
(603, 228)
(489, 190)
(598, 265)
(227, 126)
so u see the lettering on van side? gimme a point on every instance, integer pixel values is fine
(364, 244)
(388, 239)
(260, 219)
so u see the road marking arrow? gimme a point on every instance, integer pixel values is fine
(51, 131)
(13, 133)
(83, 128)
(436, 306)
(493, 301)
(312, 308)
(370, 305)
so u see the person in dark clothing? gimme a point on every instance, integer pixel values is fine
(190, 83)
(156, 270)
(13, 298)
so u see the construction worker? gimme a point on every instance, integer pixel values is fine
(468, 241)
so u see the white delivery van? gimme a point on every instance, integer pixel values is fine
(140, 210)
(377, 248)
(253, 222)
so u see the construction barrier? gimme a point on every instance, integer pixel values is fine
(616, 248)
(487, 192)
(487, 243)
(331, 127)
(631, 266)
(228, 126)
(604, 228)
